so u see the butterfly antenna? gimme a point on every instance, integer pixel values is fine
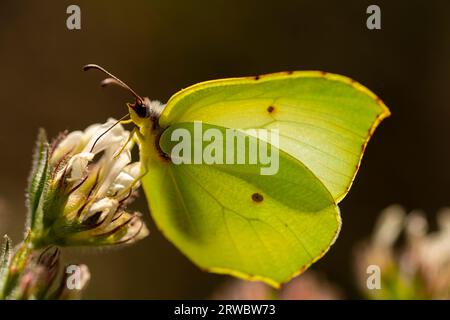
(106, 131)
(113, 80)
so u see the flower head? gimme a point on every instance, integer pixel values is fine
(80, 187)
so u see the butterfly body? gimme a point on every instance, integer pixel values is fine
(229, 218)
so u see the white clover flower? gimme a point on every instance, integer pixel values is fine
(80, 187)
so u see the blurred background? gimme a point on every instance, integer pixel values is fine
(159, 47)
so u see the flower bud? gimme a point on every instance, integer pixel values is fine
(36, 275)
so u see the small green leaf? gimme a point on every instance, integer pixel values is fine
(16, 265)
(5, 257)
(38, 179)
(5, 253)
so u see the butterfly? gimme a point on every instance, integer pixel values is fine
(228, 218)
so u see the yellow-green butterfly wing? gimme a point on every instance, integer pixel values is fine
(230, 218)
(325, 120)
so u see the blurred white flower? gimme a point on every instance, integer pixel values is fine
(308, 286)
(418, 269)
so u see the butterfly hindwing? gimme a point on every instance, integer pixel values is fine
(229, 218)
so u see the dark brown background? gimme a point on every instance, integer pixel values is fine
(162, 46)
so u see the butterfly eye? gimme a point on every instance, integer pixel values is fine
(142, 110)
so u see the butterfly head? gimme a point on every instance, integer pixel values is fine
(142, 109)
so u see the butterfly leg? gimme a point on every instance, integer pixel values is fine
(131, 138)
(140, 140)
(126, 121)
(135, 136)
